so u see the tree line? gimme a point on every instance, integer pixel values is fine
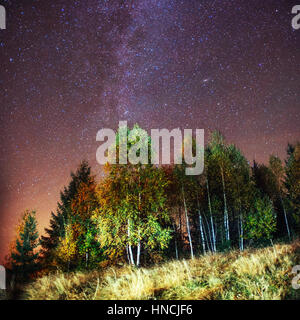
(142, 213)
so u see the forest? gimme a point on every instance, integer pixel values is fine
(143, 215)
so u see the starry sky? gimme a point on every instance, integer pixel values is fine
(70, 68)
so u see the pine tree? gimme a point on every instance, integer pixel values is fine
(84, 229)
(59, 221)
(24, 256)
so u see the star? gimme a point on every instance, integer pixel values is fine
(72, 68)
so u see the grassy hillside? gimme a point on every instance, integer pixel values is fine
(254, 274)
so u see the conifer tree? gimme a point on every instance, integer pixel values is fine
(24, 257)
(59, 221)
(84, 229)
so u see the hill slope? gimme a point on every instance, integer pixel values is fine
(253, 274)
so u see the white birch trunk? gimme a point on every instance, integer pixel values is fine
(175, 238)
(285, 218)
(86, 259)
(201, 232)
(129, 245)
(188, 225)
(127, 253)
(139, 243)
(213, 233)
(211, 219)
(226, 219)
(209, 238)
(241, 232)
(138, 255)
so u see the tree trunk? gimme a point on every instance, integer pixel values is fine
(241, 231)
(209, 238)
(201, 226)
(201, 232)
(127, 253)
(226, 219)
(138, 254)
(175, 238)
(129, 245)
(86, 259)
(211, 219)
(139, 243)
(285, 218)
(188, 225)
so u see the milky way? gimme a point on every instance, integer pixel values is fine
(70, 68)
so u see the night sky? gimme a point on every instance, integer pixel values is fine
(70, 68)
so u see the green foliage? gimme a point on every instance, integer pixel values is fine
(132, 208)
(130, 212)
(292, 182)
(87, 248)
(78, 201)
(261, 221)
(24, 256)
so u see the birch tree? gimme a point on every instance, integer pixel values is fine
(277, 169)
(220, 156)
(133, 195)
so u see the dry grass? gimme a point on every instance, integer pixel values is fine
(253, 274)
